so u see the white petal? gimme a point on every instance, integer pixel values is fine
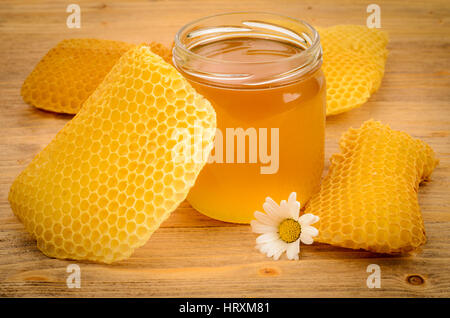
(293, 249)
(281, 247)
(265, 218)
(272, 203)
(266, 238)
(284, 209)
(271, 248)
(271, 208)
(274, 246)
(276, 216)
(310, 230)
(292, 197)
(306, 239)
(294, 205)
(277, 255)
(258, 227)
(307, 219)
(265, 248)
(260, 248)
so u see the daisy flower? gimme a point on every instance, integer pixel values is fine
(282, 229)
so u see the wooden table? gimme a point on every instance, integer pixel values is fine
(192, 255)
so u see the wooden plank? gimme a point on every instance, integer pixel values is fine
(192, 255)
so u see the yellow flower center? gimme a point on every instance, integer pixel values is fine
(289, 230)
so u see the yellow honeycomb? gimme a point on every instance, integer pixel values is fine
(354, 58)
(72, 70)
(368, 200)
(351, 79)
(162, 51)
(108, 178)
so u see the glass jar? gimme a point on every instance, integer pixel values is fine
(262, 73)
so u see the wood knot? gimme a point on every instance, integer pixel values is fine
(415, 280)
(266, 271)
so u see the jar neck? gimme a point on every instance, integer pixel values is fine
(247, 74)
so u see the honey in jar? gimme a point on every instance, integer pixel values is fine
(262, 74)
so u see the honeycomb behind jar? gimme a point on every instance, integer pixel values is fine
(369, 199)
(108, 178)
(68, 74)
(353, 63)
(354, 59)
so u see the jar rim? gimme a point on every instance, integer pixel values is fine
(312, 48)
(247, 74)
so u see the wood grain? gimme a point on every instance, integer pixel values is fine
(192, 255)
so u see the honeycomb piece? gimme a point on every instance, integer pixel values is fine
(368, 200)
(162, 51)
(351, 79)
(354, 58)
(72, 70)
(109, 179)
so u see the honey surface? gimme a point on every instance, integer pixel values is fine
(247, 50)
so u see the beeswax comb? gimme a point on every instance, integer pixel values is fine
(354, 59)
(68, 74)
(368, 200)
(108, 180)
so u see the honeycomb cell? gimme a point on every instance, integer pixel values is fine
(69, 73)
(354, 59)
(99, 206)
(361, 214)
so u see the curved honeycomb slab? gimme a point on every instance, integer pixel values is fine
(354, 59)
(368, 200)
(69, 73)
(351, 80)
(108, 178)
